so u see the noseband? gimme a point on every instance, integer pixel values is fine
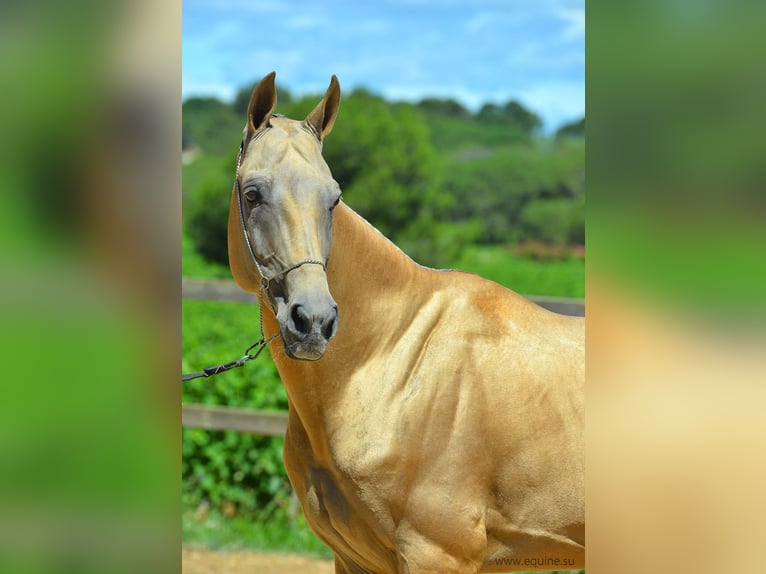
(265, 279)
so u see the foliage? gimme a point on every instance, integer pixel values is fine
(389, 172)
(572, 129)
(518, 115)
(511, 114)
(437, 244)
(207, 193)
(497, 189)
(557, 220)
(194, 265)
(444, 107)
(210, 125)
(228, 470)
(450, 133)
(432, 177)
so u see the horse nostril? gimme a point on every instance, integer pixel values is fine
(300, 320)
(331, 327)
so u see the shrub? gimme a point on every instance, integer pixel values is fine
(438, 244)
(500, 188)
(558, 221)
(207, 194)
(231, 471)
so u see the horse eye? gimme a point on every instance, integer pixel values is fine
(254, 196)
(334, 205)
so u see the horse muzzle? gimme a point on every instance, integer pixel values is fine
(307, 326)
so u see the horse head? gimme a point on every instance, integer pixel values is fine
(280, 221)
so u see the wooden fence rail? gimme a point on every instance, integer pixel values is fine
(249, 421)
(224, 290)
(265, 423)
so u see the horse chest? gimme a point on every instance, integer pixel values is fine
(347, 515)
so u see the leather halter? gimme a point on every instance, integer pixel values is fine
(265, 279)
(265, 283)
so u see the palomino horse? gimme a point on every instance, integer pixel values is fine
(442, 428)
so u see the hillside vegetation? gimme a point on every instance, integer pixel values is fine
(432, 176)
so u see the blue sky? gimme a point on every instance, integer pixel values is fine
(474, 51)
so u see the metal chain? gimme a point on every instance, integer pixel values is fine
(216, 369)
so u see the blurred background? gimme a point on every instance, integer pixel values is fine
(90, 138)
(676, 286)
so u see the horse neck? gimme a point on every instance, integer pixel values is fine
(374, 285)
(371, 280)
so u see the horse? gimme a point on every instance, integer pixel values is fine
(435, 418)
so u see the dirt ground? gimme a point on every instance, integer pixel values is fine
(207, 562)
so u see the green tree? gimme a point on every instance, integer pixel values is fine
(511, 114)
(443, 106)
(558, 220)
(520, 116)
(211, 125)
(207, 192)
(381, 156)
(498, 187)
(572, 129)
(383, 159)
(482, 184)
(490, 113)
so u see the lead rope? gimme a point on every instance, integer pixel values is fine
(216, 369)
(261, 343)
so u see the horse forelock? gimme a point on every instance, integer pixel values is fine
(271, 145)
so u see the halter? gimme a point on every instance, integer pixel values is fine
(265, 279)
(265, 283)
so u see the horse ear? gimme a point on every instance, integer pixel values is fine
(263, 102)
(323, 117)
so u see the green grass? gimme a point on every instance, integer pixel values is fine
(281, 534)
(194, 265)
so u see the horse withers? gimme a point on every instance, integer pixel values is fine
(435, 418)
